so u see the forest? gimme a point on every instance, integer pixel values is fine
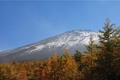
(99, 62)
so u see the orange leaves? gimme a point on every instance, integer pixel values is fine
(19, 71)
(61, 68)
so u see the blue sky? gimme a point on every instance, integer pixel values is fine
(23, 23)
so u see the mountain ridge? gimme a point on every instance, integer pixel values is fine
(73, 40)
(45, 39)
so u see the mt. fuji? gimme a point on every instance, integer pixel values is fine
(72, 40)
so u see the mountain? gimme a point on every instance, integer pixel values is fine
(72, 40)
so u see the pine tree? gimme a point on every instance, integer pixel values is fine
(105, 68)
(90, 46)
(78, 56)
(90, 59)
(116, 55)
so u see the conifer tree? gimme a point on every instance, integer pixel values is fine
(105, 68)
(78, 56)
(90, 46)
(68, 67)
(90, 57)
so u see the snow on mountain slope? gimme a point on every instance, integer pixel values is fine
(72, 40)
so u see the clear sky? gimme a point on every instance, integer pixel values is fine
(23, 23)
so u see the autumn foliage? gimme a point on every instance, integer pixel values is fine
(99, 62)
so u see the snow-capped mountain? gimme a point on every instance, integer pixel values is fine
(72, 40)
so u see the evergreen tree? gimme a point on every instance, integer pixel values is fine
(105, 68)
(90, 47)
(90, 59)
(78, 56)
